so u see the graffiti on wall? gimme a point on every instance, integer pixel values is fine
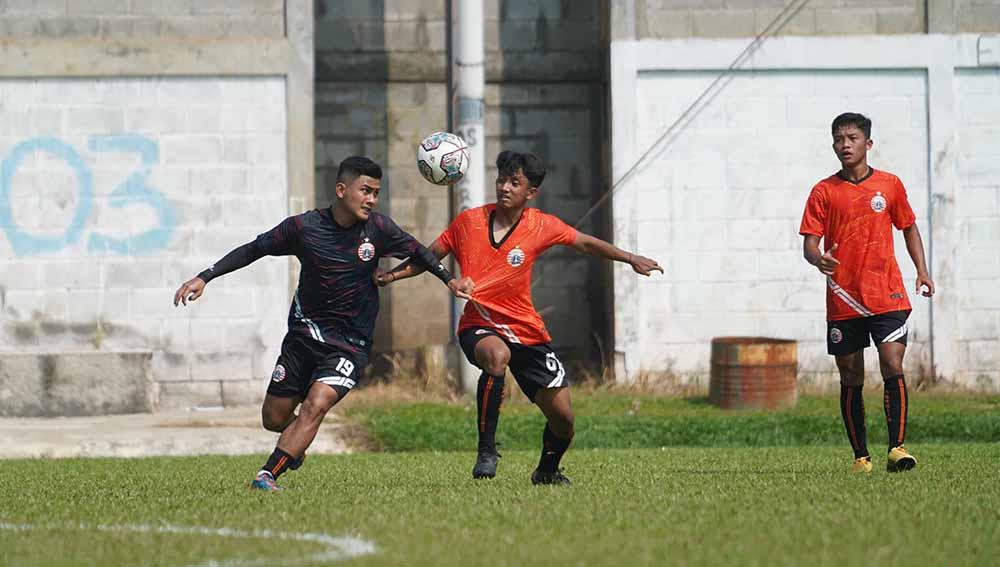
(134, 191)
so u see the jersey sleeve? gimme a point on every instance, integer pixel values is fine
(901, 212)
(814, 217)
(282, 240)
(558, 232)
(447, 239)
(396, 242)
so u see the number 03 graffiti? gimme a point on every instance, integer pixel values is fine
(132, 192)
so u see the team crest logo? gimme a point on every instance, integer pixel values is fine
(366, 251)
(878, 203)
(836, 336)
(279, 373)
(515, 257)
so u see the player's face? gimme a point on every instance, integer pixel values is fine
(514, 191)
(851, 145)
(360, 196)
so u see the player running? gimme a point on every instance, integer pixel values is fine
(496, 246)
(853, 212)
(332, 315)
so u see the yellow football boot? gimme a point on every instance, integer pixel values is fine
(862, 465)
(900, 460)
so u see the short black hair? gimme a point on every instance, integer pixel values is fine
(356, 166)
(509, 162)
(853, 119)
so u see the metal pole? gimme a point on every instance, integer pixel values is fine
(468, 85)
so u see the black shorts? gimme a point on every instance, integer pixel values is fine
(304, 360)
(534, 366)
(851, 335)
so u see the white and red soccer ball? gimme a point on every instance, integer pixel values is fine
(443, 158)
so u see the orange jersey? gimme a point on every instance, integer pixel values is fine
(502, 270)
(859, 219)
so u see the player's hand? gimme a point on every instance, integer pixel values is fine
(643, 265)
(923, 280)
(383, 279)
(827, 263)
(462, 288)
(189, 291)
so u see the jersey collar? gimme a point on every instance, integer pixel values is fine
(496, 245)
(871, 171)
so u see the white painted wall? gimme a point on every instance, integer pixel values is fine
(978, 94)
(722, 205)
(719, 205)
(113, 192)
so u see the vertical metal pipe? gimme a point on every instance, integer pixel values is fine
(469, 80)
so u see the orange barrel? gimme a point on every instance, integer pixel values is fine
(753, 373)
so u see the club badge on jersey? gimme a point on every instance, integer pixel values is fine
(515, 257)
(366, 251)
(878, 202)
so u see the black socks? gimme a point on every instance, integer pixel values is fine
(489, 395)
(279, 462)
(852, 409)
(896, 401)
(553, 449)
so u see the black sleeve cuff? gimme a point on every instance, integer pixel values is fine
(428, 261)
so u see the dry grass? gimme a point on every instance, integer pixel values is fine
(408, 381)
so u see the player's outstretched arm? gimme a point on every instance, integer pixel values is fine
(428, 259)
(239, 257)
(597, 247)
(915, 246)
(409, 268)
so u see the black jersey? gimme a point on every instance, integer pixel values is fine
(337, 300)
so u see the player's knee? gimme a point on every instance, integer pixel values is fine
(275, 420)
(272, 424)
(315, 409)
(851, 379)
(495, 362)
(891, 370)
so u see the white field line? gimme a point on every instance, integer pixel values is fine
(338, 548)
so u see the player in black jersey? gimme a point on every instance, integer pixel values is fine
(332, 317)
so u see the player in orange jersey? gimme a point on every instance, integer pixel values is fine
(853, 212)
(496, 246)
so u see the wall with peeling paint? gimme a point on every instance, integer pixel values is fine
(135, 150)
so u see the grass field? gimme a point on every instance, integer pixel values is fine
(784, 504)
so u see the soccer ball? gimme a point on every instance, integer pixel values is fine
(443, 158)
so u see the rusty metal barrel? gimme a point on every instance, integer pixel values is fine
(753, 373)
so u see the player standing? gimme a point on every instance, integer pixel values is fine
(496, 246)
(332, 315)
(853, 212)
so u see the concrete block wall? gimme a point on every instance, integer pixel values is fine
(381, 86)
(981, 16)
(978, 215)
(114, 192)
(142, 19)
(720, 208)
(664, 19)
(667, 19)
(75, 384)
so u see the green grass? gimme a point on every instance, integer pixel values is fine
(619, 421)
(675, 506)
